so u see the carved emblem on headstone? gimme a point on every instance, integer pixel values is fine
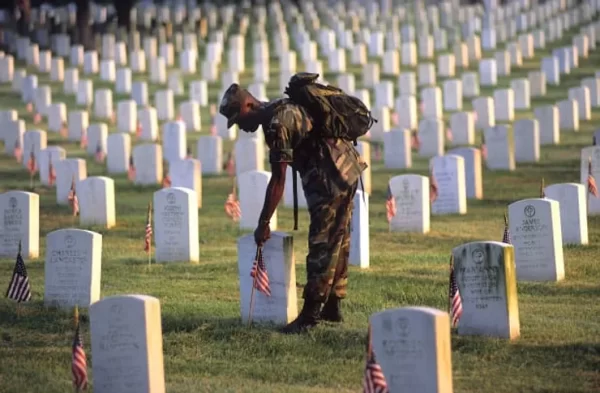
(403, 326)
(171, 198)
(529, 211)
(69, 241)
(387, 325)
(478, 255)
(12, 202)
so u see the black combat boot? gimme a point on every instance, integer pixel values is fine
(307, 319)
(331, 310)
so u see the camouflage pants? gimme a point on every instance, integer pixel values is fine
(329, 246)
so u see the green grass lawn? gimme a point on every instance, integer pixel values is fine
(207, 349)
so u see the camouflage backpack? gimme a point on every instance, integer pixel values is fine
(335, 113)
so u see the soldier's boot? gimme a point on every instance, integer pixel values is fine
(307, 319)
(331, 310)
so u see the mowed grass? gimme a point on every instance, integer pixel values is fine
(207, 349)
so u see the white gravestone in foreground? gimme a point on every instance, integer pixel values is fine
(72, 268)
(278, 254)
(487, 282)
(412, 346)
(536, 234)
(127, 348)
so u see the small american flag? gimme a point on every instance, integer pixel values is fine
(99, 154)
(166, 182)
(37, 118)
(390, 205)
(84, 139)
(148, 235)
(19, 288)
(64, 130)
(591, 181)
(79, 362)
(415, 141)
(17, 151)
(51, 173)
(455, 301)
(72, 198)
(373, 379)
(232, 207)
(138, 130)
(506, 234)
(29, 107)
(131, 169)
(259, 274)
(433, 188)
(31, 164)
(449, 135)
(542, 192)
(230, 164)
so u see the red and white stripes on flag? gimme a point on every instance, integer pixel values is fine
(433, 187)
(232, 207)
(373, 378)
(18, 151)
(259, 274)
(32, 164)
(591, 181)
(72, 198)
(51, 173)
(79, 363)
(99, 156)
(131, 169)
(390, 205)
(19, 288)
(148, 234)
(455, 302)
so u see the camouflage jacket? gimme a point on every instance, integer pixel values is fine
(331, 165)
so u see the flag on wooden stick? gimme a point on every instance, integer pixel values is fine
(542, 187)
(230, 164)
(51, 173)
(131, 169)
(72, 198)
(18, 151)
(455, 301)
(415, 141)
(259, 274)
(591, 181)
(31, 163)
(506, 234)
(19, 288)
(84, 138)
(373, 379)
(390, 204)
(78, 359)
(433, 187)
(148, 235)
(99, 156)
(232, 205)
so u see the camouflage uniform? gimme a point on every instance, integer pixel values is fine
(330, 170)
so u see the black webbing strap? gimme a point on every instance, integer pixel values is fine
(295, 190)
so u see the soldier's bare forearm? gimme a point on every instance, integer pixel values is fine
(274, 191)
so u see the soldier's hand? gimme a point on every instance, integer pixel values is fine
(262, 233)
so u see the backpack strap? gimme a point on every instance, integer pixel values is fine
(295, 191)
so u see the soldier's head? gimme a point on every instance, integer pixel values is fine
(241, 108)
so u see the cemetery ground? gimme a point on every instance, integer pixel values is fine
(206, 347)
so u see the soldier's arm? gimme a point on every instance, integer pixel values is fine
(280, 155)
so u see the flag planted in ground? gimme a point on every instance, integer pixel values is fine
(390, 205)
(51, 173)
(79, 362)
(259, 274)
(131, 170)
(148, 234)
(19, 288)
(232, 207)
(73, 199)
(31, 163)
(433, 188)
(455, 301)
(506, 234)
(373, 377)
(591, 181)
